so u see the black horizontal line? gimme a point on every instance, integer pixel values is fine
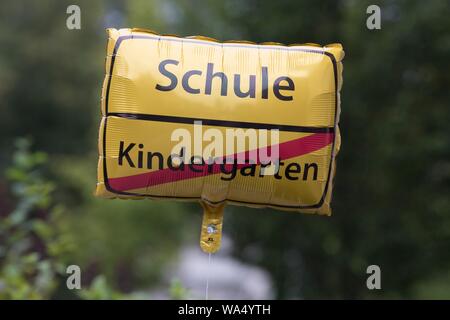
(222, 123)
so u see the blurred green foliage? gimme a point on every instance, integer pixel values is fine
(177, 291)
(30, 248)
(391, 203)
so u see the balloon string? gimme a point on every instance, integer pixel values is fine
(207, 276)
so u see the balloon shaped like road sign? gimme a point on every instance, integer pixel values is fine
(220, 123)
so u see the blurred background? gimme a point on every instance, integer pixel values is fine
(391, 198)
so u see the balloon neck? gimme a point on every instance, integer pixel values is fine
(211, 233)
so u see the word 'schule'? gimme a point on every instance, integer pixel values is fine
(280, 84)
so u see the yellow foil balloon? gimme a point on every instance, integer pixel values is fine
(200, 120)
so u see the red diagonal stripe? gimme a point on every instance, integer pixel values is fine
(287, 150)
